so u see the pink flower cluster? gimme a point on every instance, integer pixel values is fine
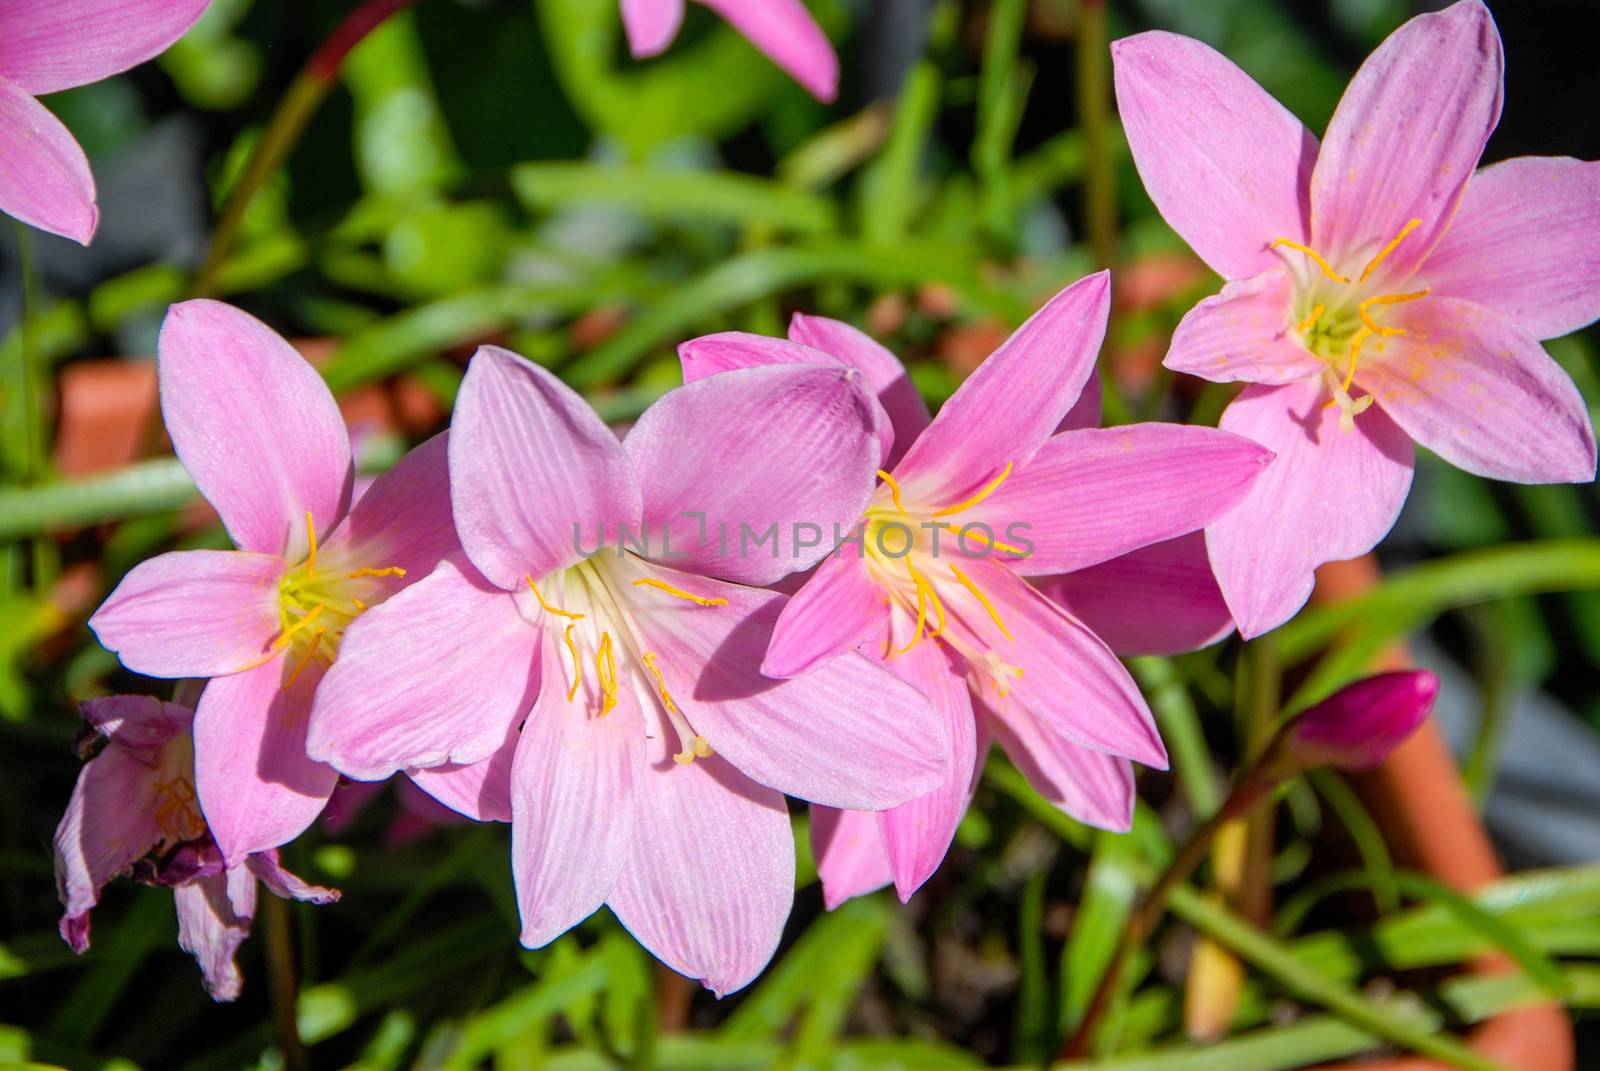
(519, 618)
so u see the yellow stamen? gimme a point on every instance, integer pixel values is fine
(359, 604)
(1372, 265)
(661, 682)
(287, 634)
(988, 490)
(1355, 353)
(546, 607)
(933, 596)
(311, 537)
(577, 663)
(662, 585)
(922, 619)
(1387, 299)
(1310, 321)
(393, 570)
(606, 665)
(993, 542)
(316, 641)
(1313, 254)
(1001, 672)
(979, 595)
(894, 490)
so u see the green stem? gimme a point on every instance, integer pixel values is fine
(1094, 116)
(43, 551)
(299, 104)
(282, 984)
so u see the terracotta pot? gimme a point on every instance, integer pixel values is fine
(1429, 822)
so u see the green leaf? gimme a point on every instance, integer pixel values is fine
(675, 193)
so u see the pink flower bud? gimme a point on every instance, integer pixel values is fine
(1358, 726)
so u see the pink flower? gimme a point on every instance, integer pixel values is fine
(783, 29)
(134, 813)
(972, 504)
(258, 430)
(1360, 725)
(610, 705)
(50, 45)
(1379, 291)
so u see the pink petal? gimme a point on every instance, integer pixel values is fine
(1091, 786)
(403, 520)
(257, 787)
(572, 801)
(1329, 495)
(651, 25)
(1526, 244)
(1093, 495)
(141, 724)
(1361, 724)
(480, 790)
(533, 471)
(787, 451)
(255, 426)
(438, 674)
(851, 860)
(44, 176)
(55, 45)
(847, 734)
(214, 916)
(730, 351)
(1228, 166)
(109, 825)
(1086, 411)
(1481, 394)
(1405, 138)
(1006, 409)
(916, 835)
(791, 38)
(193, 613)
(908, 413)
(1157, 600)
(285, 884)
(1245, 332)
(836, 610)
(710, 879)
(1070, 679)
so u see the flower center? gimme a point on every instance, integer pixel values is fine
(1335, 317)
(176, 808)
(908, 552)
(604, 646)
(315, 606)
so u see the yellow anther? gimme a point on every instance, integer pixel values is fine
(662, 585)
(982, 598)
(605, 664)
(311, 537)
(988, 489)
(1316, 258)
(698, 749)
(287, 634)
(922, 619)
(993, 542)
(393, 570)
(316, 641)
(1372, 265)
(933, 596)
(1387, 299)
(546, 607)
(661, 682)
(1310, 321)
(1002, 672)
(894, 490)
(359, 605)
(577, 663)
(1355, 354)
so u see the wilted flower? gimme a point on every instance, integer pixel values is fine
(134, 813)
(1379, 292)
(971, 504)
(260, 433)
(783, 29)
(50, 45)
(1359, 725)
(610, 705)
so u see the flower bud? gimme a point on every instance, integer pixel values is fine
(1358, 726)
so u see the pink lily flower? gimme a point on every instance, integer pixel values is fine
(609, 701)
(1379, 291)
(1361, 724)
(972, 504)
(783, 29)
(50, 45)
(134, 813)
(262, 436)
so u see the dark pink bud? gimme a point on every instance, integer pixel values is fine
(1359, 725)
